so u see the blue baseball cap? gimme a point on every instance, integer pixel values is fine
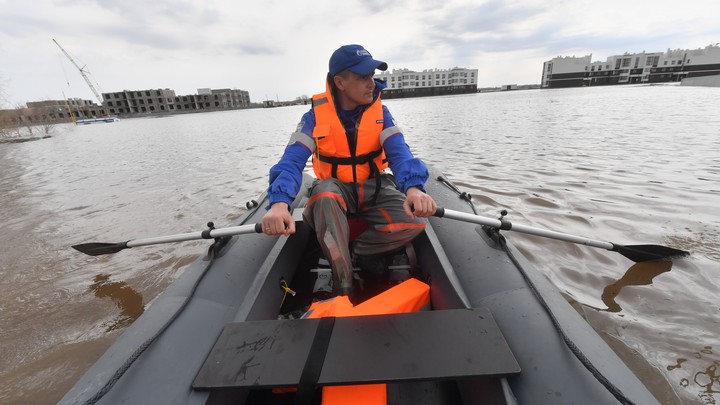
(356, 59)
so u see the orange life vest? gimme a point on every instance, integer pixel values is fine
(334, 155)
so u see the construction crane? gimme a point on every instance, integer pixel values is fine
(83, 73)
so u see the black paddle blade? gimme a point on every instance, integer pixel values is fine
(97, 249)
(644, 253)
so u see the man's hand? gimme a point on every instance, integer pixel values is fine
(278, 221)
(418, 203)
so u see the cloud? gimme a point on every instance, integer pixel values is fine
(282, 47)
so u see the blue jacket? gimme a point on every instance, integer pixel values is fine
(286, 175)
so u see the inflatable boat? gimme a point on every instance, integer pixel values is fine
(458, 317)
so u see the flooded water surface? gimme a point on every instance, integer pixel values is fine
(631, 165)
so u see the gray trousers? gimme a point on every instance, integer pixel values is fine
(389, 227)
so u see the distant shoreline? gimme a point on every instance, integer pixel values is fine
(23, 139)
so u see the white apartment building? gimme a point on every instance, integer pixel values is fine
(429, 82)
(653, 67)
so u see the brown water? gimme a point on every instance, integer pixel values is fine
(630, 165)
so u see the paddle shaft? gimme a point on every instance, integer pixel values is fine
(508, 226)
(206, 234)
(636, 253)
(99, 248)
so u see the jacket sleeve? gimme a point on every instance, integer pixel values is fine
(286, 175)
(407, 169)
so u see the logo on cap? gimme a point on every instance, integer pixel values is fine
(362, 52)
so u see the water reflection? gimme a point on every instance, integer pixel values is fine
(639, 274)
(128, 300)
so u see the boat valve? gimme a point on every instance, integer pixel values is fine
(503, 213)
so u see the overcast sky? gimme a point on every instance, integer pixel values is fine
(279, 49)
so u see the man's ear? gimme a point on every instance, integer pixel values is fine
(338, 83)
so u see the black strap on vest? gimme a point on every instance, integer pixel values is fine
(314, 362)
(368, 158)
(357, 160)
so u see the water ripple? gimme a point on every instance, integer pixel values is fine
(623, 164)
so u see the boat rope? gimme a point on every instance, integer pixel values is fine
(467, 197)
(287, 290)
(213, 252)
(615, 391)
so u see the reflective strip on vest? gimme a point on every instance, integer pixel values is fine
(387, 133)
(319, 101)
(304, 139)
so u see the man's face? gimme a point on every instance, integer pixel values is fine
(354, 89)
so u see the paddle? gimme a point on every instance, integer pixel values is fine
(636, 253)
(97, 249)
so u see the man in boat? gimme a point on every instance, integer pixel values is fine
(352, 138)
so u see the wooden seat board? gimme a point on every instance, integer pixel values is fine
(428, 345)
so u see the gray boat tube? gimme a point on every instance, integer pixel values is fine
(199, 306)
(551, 373)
